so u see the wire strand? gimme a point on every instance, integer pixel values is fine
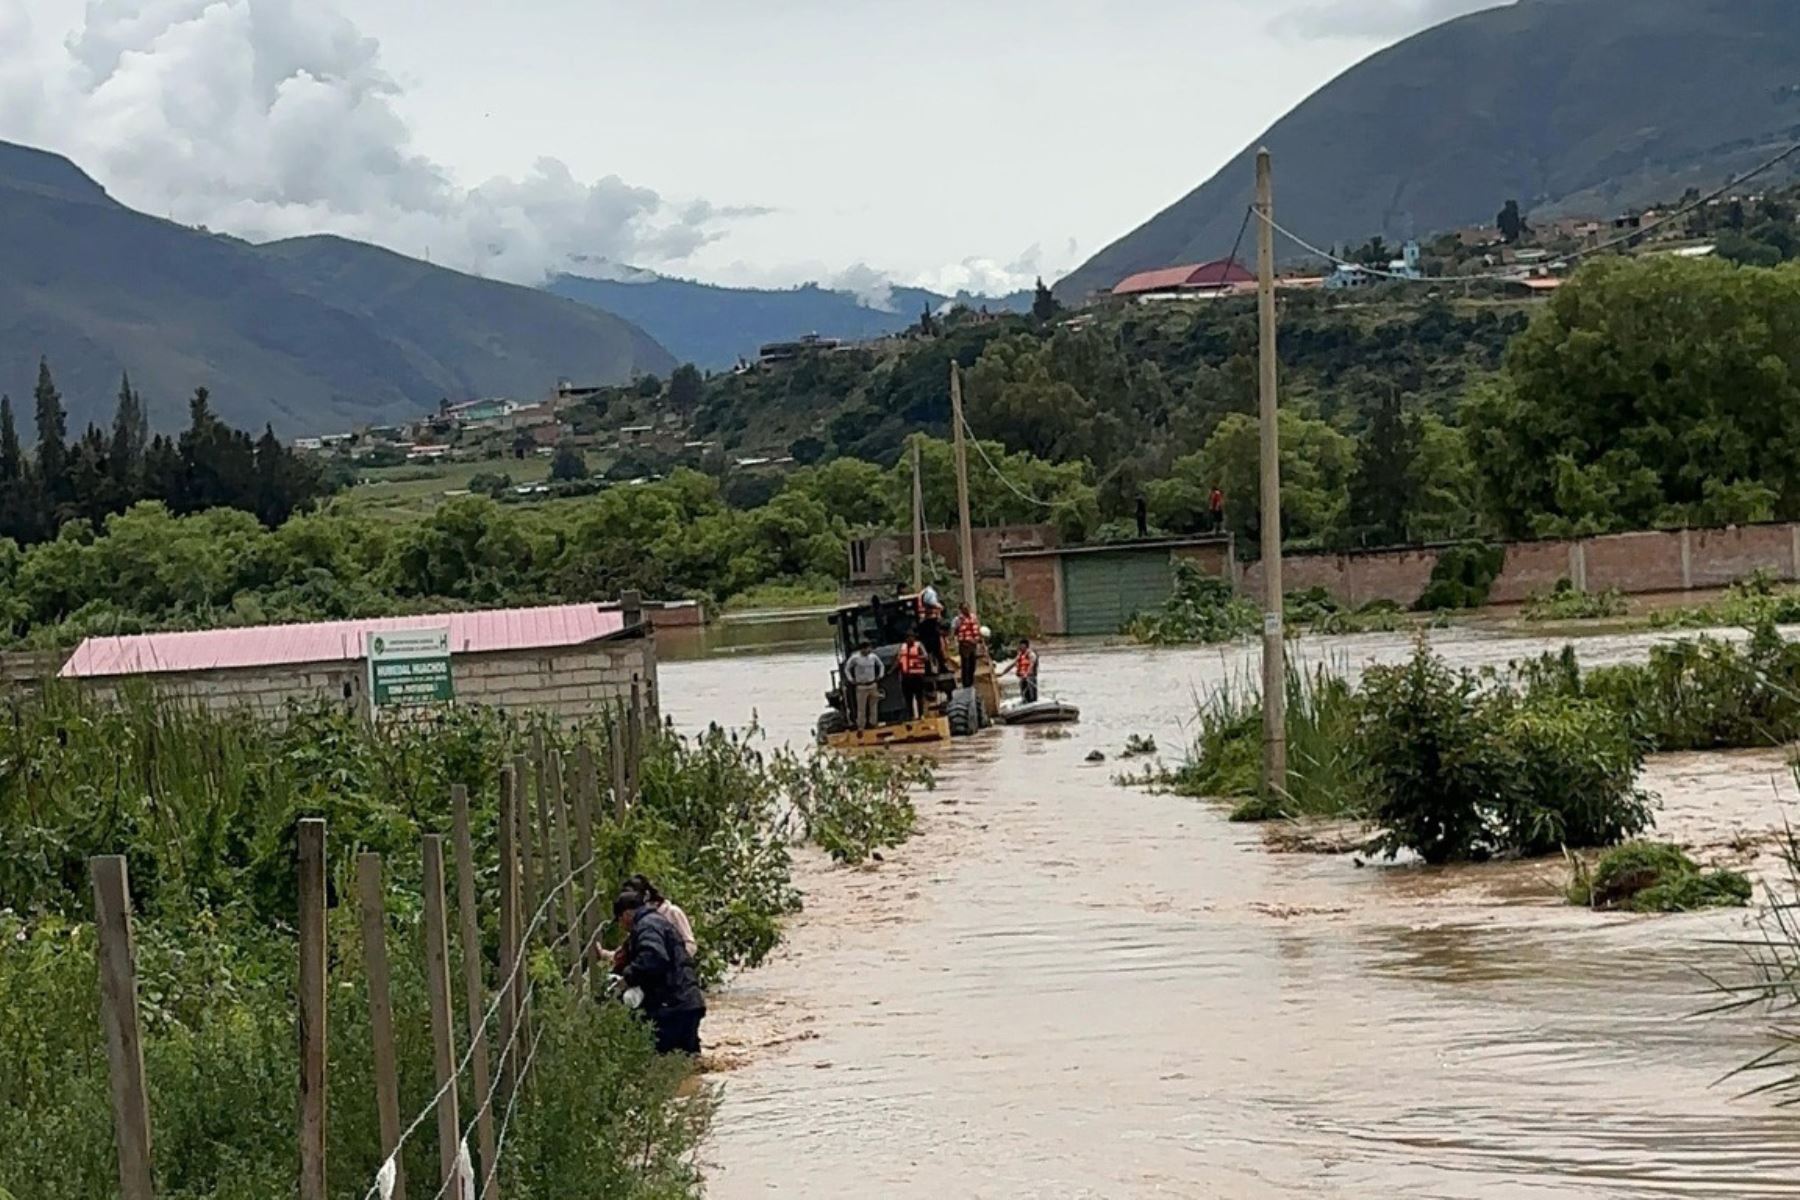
(1001, 476)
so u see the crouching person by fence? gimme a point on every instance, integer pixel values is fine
(658, 964)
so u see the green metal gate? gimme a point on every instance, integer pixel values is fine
(1104, 590)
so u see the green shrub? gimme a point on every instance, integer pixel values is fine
(1701, 694)
(1757, 599)
(1463, 576)
(1459, 771)
(1655, 877)
(1564, 603)
(1202, 608)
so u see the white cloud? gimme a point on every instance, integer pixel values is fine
(275, 118)
(1380, 19)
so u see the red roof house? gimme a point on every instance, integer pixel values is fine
(1220, 275)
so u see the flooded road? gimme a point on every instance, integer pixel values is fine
(1065, 988)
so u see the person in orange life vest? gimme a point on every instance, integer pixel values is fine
(911, 661)
(931, 624)
(968, 644)
(1025, 666)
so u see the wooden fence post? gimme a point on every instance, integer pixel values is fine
(635, 773)
(373, 905)
(509, 931)
(119, 1018)
(615, 751)
(437, 984)
(564, 835)
(475, 996)
(312, 1008)
(528, 881)
(546, 865)
(585, 789)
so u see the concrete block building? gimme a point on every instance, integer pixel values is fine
(573, 661)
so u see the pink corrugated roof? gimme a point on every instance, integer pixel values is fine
(1209, 274)
(336, 641)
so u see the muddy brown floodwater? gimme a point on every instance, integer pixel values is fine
(1066, 988)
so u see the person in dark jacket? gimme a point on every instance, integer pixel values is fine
(656, 960)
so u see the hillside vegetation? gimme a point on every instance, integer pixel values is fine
(1583, 106)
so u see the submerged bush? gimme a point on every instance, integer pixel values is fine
(1758, 598)
(1655, 877)
(1564, 603)
(1202, 609)
(1463, 576)
(1459, 770)
(1700, 694)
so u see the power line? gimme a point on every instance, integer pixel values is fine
(1001, 476)
(1573, 256)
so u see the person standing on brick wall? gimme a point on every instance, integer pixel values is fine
(1216, 505)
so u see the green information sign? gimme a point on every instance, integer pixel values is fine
(410, 666)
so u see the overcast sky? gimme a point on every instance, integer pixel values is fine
(946, 142)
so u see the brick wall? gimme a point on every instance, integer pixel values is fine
(572, 682)
(1633, 563)
(1036, 582)
(889, 555)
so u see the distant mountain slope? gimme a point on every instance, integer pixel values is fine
(310, 335)
(715, 326)
(1583, 106)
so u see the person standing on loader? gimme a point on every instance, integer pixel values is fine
(931, 624)
(863, 672)
(968, 643)
(911, 661)
(1025, 666)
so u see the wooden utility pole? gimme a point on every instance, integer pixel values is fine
(312, 1008)
(966, 541)
(1274, 675)
(373, 910)
(119, 1016)
(918, 524)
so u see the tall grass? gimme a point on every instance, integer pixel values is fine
(1225, 758)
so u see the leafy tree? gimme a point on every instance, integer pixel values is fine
(648, 387)
(1511, 224)
(1315, 461)
(568, 463)
(854, 492)
(1649, 392)
(1383, 485)
(687, 387)
(1374, 253)
(1044, 304)
(806, 449)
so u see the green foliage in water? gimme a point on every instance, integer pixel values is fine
(1460, 769)
(1564, 603)
(1202, 609)
(1317, 610)
(1463, 576)
(1225, 759)
(1757, 599)
(205, 805)
(1698, 694)
(1655, 877)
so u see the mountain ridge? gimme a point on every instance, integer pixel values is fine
(309, 335)
(1565, 105)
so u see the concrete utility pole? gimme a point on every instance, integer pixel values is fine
(918, 521)
(1274, 772)
(962, 488)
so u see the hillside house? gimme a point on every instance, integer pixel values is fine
(1194, 281)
